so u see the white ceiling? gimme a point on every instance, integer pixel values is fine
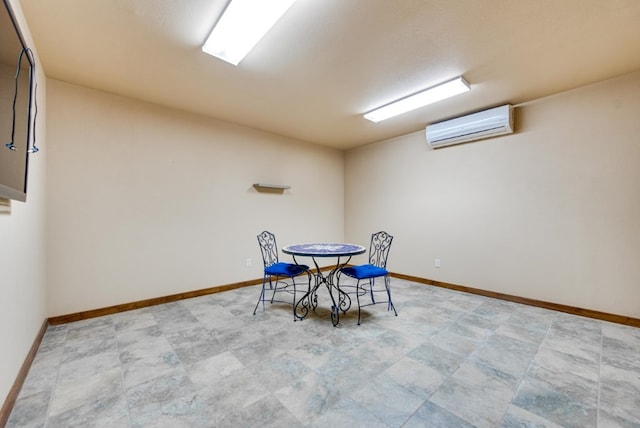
(326, 62)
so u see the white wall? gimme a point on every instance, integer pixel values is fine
(145, 201)
(550, 213)
(22, 258)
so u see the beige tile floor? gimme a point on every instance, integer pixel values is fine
(448, 359)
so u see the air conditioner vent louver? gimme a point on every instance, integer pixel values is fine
(472, 127)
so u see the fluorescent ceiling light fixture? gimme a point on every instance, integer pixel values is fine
(428, 96)
(241, 27)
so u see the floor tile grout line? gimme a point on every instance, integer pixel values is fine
(122, 380)
(57, 377)
(599, 374)
(524, 376)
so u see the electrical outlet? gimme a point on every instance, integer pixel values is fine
(436, 263)
(249, 263)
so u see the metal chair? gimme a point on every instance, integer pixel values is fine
(376, 268)
(274, 268)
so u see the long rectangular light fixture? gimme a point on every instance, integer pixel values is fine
(428, 96)
(242, 25)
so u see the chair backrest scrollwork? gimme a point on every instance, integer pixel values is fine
(379, 249)
(268, 247)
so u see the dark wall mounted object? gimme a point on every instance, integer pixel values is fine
(17, 92)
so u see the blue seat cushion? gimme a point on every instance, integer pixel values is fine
(364, 271)
(285, 269)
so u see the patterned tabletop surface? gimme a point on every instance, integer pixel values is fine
(324, 249)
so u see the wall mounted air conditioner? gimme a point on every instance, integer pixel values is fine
(476, 126)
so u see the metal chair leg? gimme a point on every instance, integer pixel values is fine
(358, 299)
(293, 281)
(261, 298)
(387, 284)
(372, 281)
(271, 287)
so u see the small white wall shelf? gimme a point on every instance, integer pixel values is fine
(271, 188)
(5, 206)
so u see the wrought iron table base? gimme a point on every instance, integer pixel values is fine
(340, 301)
(310, 299)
